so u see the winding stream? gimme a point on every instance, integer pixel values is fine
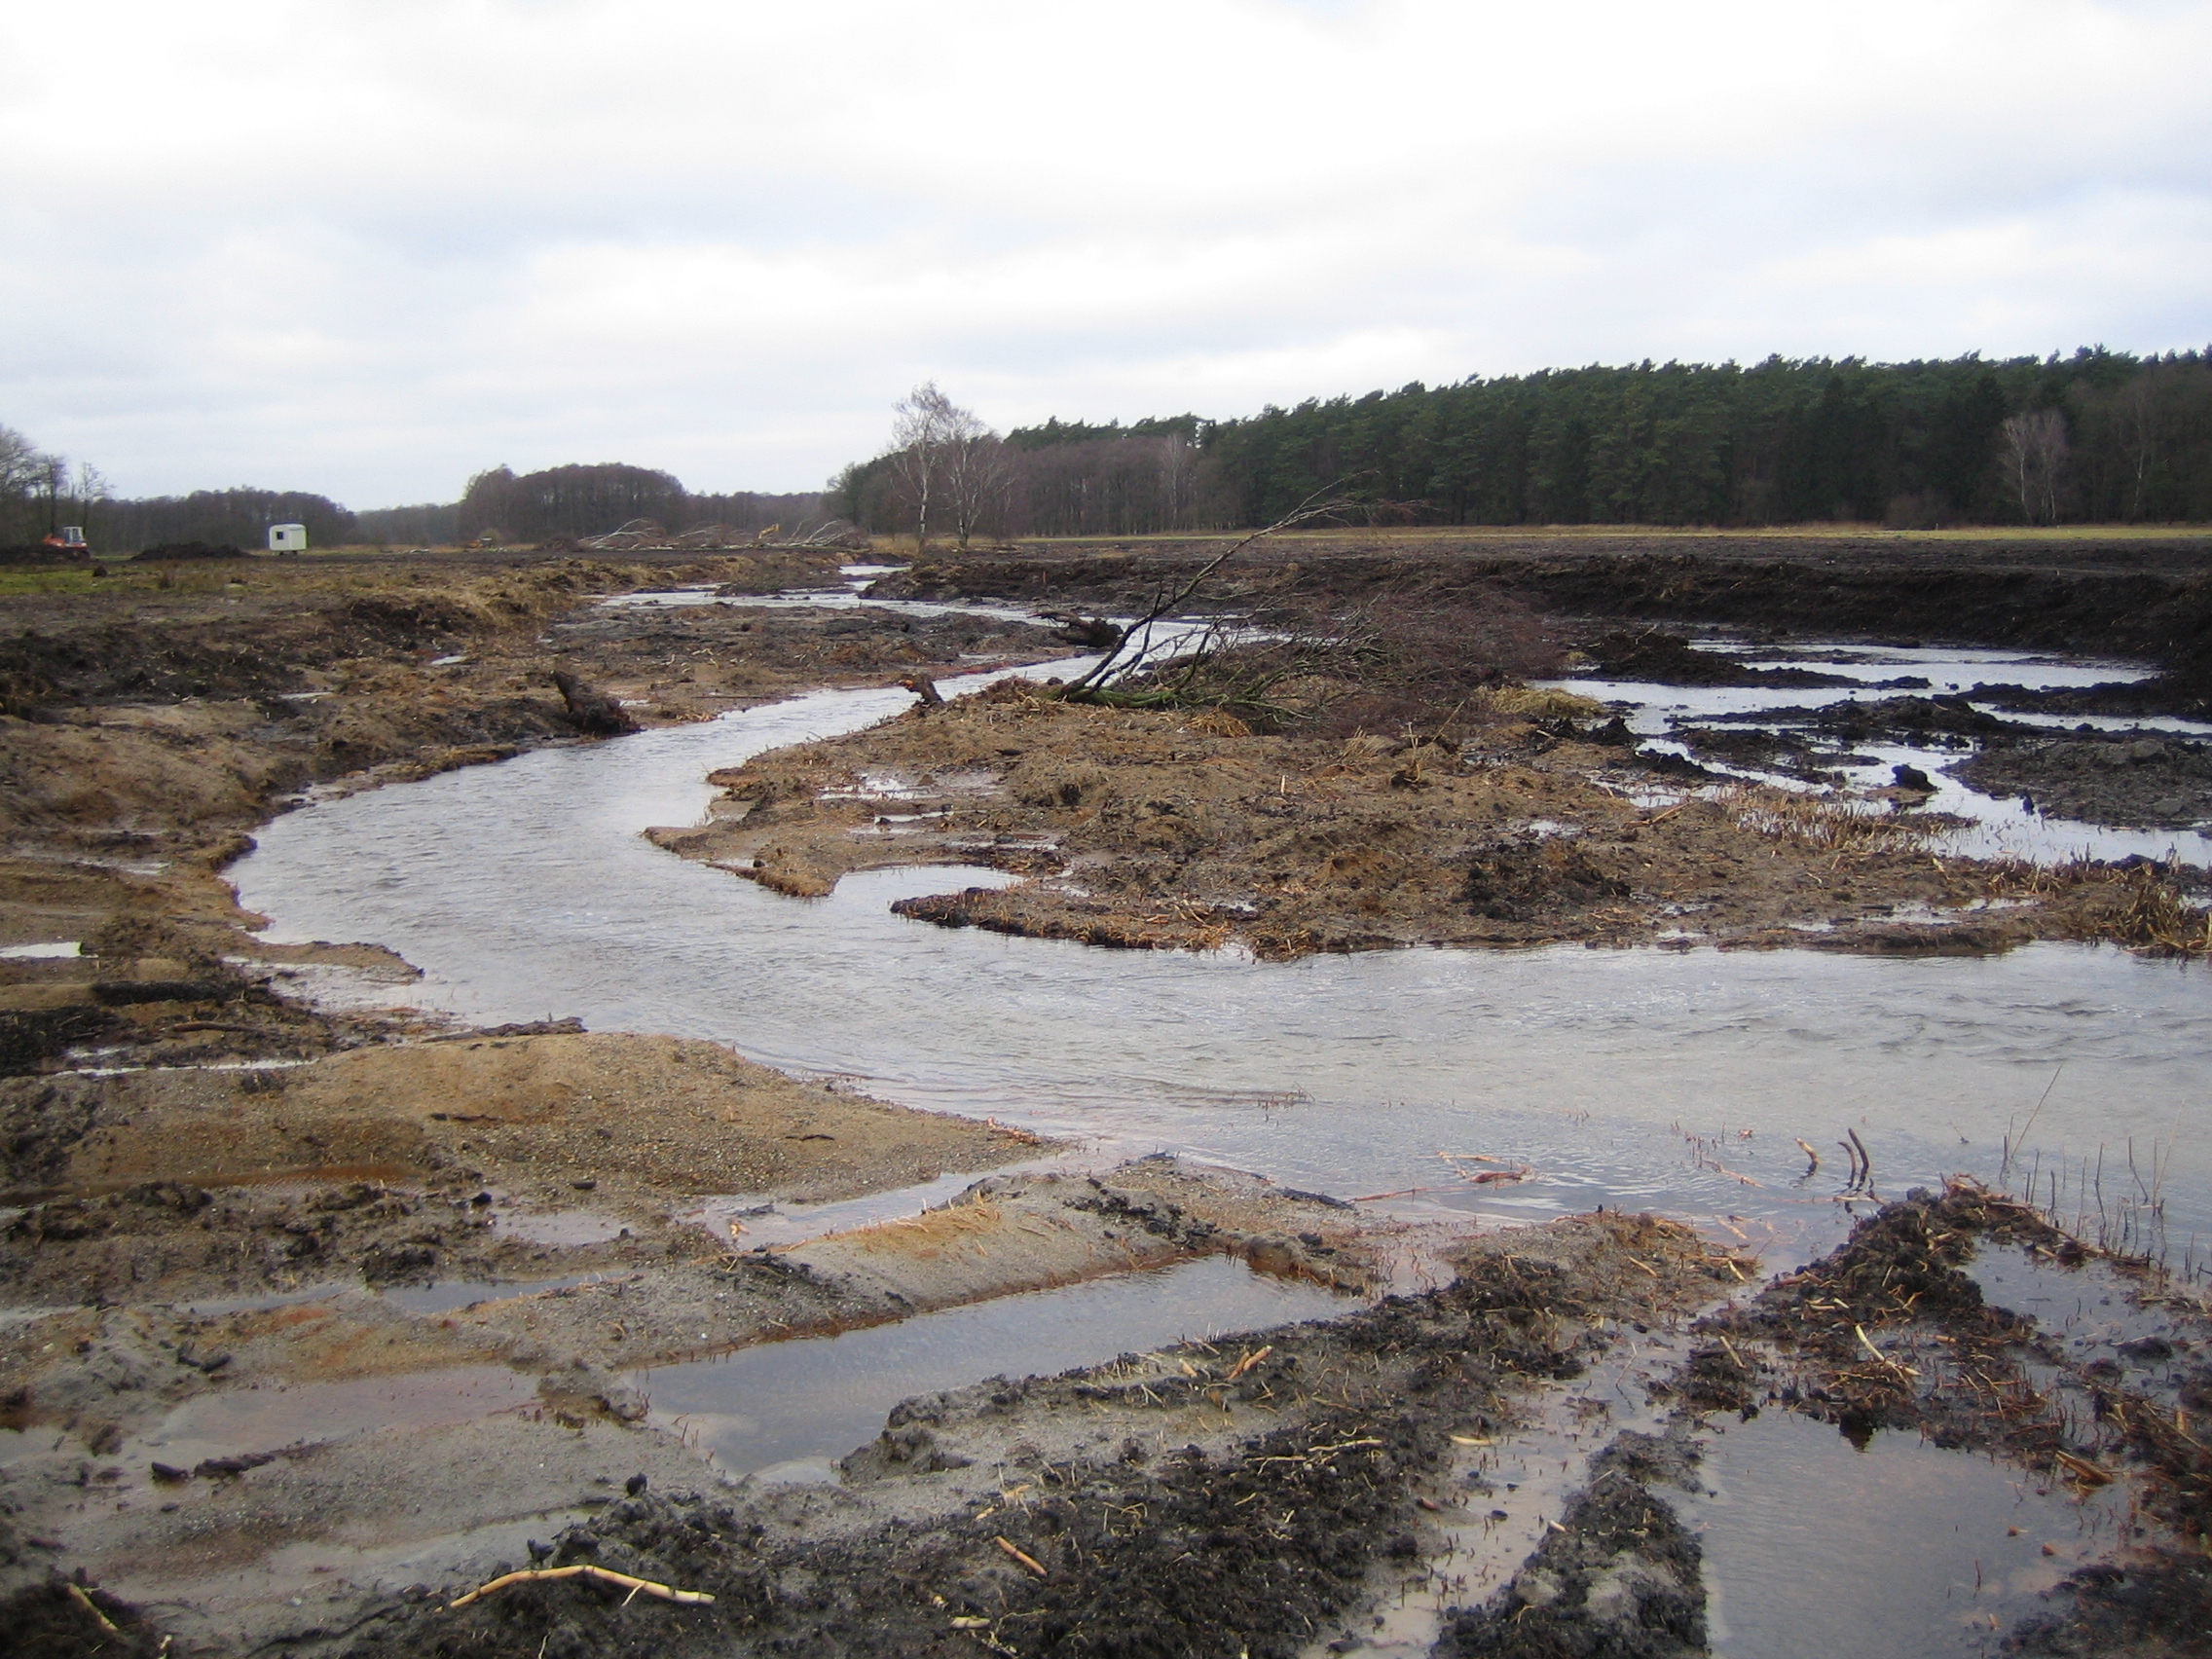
(1625, 1077)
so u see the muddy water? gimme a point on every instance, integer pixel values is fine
(1906, 1552)
(1640, 1078)
(788, 1411)
(2002, 827)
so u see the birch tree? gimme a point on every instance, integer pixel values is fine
(942, 457)
(2035, 454)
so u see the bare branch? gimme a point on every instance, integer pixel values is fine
(1323, 503)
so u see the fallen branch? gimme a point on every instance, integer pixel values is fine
(1867, 1342)
(1322, 504)
(86, 1602)
(582, 1570)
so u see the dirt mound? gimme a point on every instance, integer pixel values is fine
(1513, 880)
(42, 553)
(308, 1162)
(2161, 782)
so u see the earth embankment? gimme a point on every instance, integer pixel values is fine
(2143, 596)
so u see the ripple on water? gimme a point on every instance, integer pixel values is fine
(1621, 1076)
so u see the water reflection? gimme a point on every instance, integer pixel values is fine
(525, 889)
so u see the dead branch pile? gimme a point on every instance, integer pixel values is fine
(647, 535)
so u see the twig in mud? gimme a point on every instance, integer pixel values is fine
(1401, 1193)
(1029, 1561)
(1867, 1342)
(582, 1570)
(1248, 1361)
(77, 1594)
(2081, 1470)
(1865, 1159)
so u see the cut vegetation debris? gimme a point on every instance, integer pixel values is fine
(1162, 829)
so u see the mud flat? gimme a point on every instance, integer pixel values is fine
(149, 722)
(313, 1321)
(1144, 829)
(245, 1200)
(2125, 594)
(1560, 1451)
(225, 1459)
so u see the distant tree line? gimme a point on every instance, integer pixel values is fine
(2100, 436)
(425, 524)
(41, 494)
(239, 517)
(591, 500)
(1062, 478)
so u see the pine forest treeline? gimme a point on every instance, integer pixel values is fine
(2100, 436)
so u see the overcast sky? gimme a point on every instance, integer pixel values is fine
(370, 246)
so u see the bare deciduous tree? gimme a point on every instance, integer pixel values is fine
(22, 467)
(2137, 416)
(978, 475)
(942, 454)
(2035, 455)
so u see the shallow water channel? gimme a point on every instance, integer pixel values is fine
(525, 889)
(1680, 1081)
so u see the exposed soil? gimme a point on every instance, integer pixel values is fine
(1158, 830)
(1242, 1498)
(179, 1182)
(2155, 782)
(1260, 1495)
(2121, 596)
(1620, 1575)
(209, 1501)
(226, 1418)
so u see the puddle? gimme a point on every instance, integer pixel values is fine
(238, 1421)
(563, 1228)
(1903, 1551)
(764, 1221)
(209, 1309)
(2002, 827)
(793, 1407)
(48, 952)
(451, 1295)
(1512, 1485)
(2092, 1313)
